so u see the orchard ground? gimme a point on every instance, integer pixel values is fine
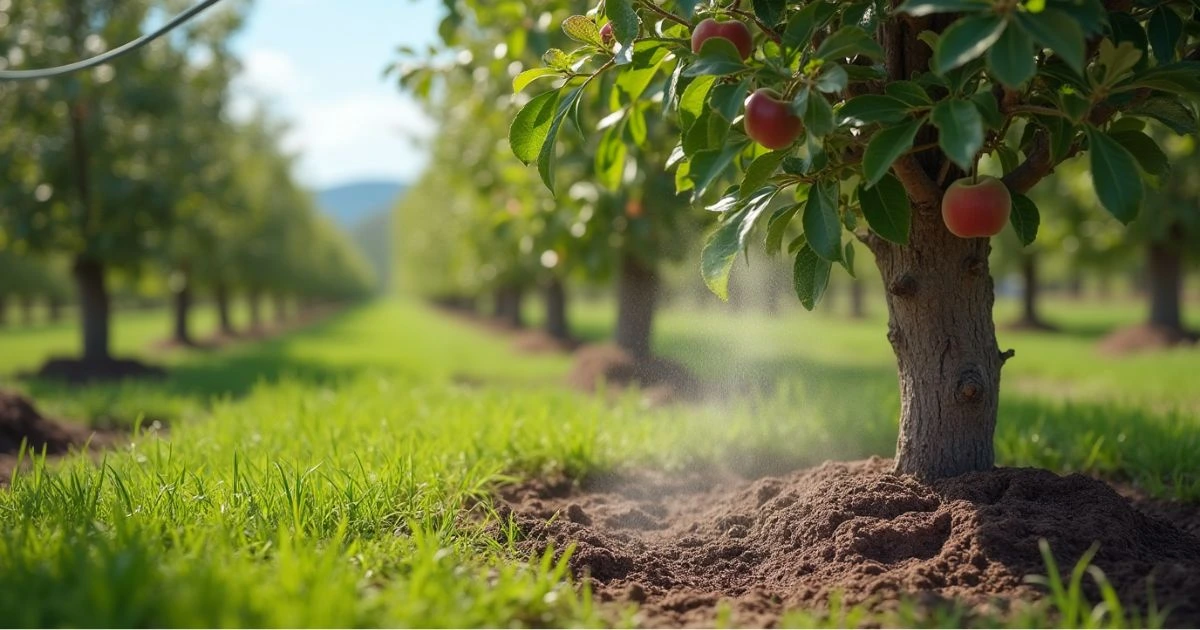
(346, 474)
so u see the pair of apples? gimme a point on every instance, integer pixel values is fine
(971, 207)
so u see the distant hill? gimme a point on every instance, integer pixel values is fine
(352, 204)
(364, 210)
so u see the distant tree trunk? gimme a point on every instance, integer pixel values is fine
(55, 309)
(94, 309)
(858, 306)
(1164, 265)
(555, 296)
(1075, 284)
(27, 310)
(637, 294)
(182, 307)
(1104, 286)
(280, 308)
(254, 296)
(508, 305)
(1030, 292)
(221, 296)
(3, 310)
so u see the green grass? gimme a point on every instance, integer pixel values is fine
(341, 475)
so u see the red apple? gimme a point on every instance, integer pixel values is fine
(976, 209)
(736, 32)
(606, 34)
(770, 121)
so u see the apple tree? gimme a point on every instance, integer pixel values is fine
(870, 119)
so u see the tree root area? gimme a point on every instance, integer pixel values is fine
(80, 372)
(662, 380)
(21, 422)
(683, 547)
(1145, 338)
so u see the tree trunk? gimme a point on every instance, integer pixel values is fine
(555, 296)
(508, 306)
(3, 310)
(255, 299)
(940, 297)
(27, 310)
(221, 296)
(858, 306)
(1030, 292)
(637, 293)
(1104, 289)
(93, 309)
(1164, 266)
(54, 310)
(1075, 284)
(280, 309)
(182, 306)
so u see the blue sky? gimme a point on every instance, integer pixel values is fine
(320, 64)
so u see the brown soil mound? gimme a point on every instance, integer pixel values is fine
(76, 371)
(679, 548)
(1145, 338)
(541, 342)
(1036, 325)
(21, 422)
(662, 379)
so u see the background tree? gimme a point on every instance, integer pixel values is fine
(872, 116)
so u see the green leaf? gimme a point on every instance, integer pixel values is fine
(1164, 31)
(633, 80)
(910, 92)
(691, 103)
(1145, 150)
(920, 8)
(770, 12)
(1127, 29)
(1118, 61)
(1168, 111)
(546, 157)
(1011, 59)
(529, 76)
(756, 205)
(625, 23)
(1115, 176)
(727, 99)
(1008, 159)
(528, 131)
(833, 78)
(760, 170)
(960, 131)
(848, 259)
(821, 225)
(718, 56)
(818, 115)
(887, 209)
(716, 259)
(709, 165)
(810, 275)
(886, 147)
(872, 108)
(777, 227)
(986, 103)
(1181, 78)
(849, 41)
(1024, 218)
(804, 22)
(1056, 30)
(967, 39)
(610, 158)
(583, 29)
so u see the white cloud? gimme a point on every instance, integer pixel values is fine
(272, 73)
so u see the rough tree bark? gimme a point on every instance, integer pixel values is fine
(181, 299)
(637, 294)
(1164, 266)
(221, 297)
(555, 297)
(94, 309)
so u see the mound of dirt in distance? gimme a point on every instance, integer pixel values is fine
(662, 379)
(21, 422)
(1144, 338)
(76, 371)
(680, 547)
(540, 342)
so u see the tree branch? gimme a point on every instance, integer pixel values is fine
(921, 188)
(1035, 167)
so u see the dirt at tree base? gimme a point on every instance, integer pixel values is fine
(79, 372)
(680, 546)
(1145, 338)
(21, 422)
(541, 342)
(662, 380)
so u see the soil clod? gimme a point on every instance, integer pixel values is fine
(20, 422)
(855, 531)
